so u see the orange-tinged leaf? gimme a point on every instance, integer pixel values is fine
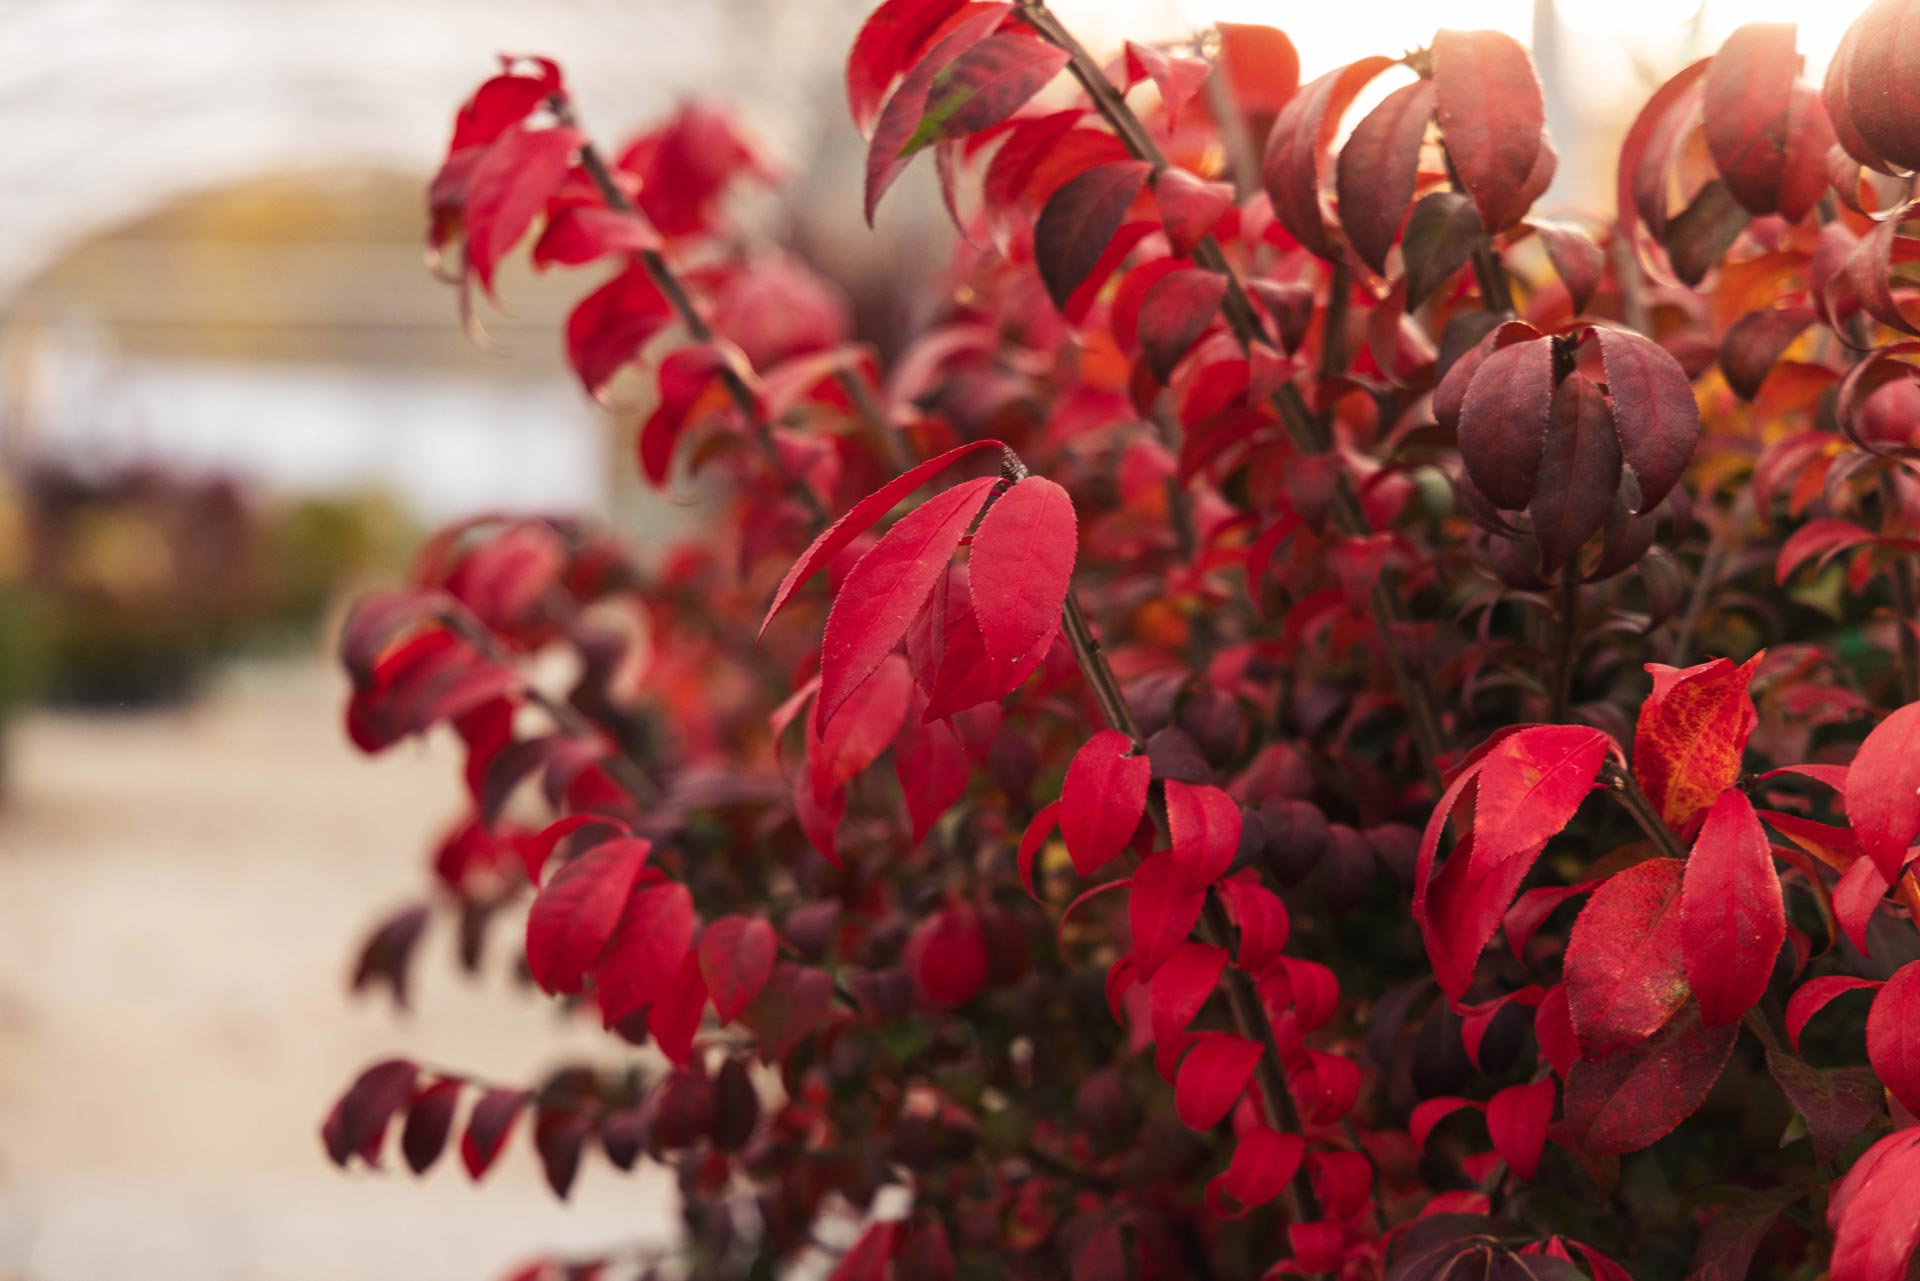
(1691, 733)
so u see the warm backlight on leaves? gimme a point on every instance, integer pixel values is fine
(1312, 723)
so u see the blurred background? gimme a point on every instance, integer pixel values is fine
(231, 393)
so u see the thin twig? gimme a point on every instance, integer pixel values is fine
(565, 717)
(1625, 791)
(1307, 430)
(661, 272)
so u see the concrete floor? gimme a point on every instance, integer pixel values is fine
(181, 894)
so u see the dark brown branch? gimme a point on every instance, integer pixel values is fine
(1304, 428)
(1625, 791)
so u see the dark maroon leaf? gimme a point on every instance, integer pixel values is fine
(1579, 472)
(1441, 233)
(429, 1121)
(1755, 344)
(1503, 421)
(1079, 221)
(1653, 410)
(1629, 1100)
(1377, 168)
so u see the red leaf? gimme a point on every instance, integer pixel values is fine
(500, 103)
(1531, 784)
(1625, 977)
(1747, 95)
(1553, 1028)
(582, 233)
(1880, 67)
(1475, 1020)
(1429, 1113)
(511, 184)
(685, 378)
(1883, 791)
(487, 1129)
(1204, 823)
(888, 586)
(1260, 63)
(860, 519)
(1653, 410)
(1035, 837)
(1488, 102)
(1021, 567)
(1836, 1103)
(1579, 472)
(1264, 1162)
(1875, 1212)
(1160, 910)
(872, 1255)
(1377, 168)
(558, 1137)
(887, 45)
(1263, 922)
(610, 326)
(576, 912)
(1815, 994)
(1175, 997)
(1503, 421)
(988, 83)
(795, 1001)
(1440, 236)
(646, 951)
(1517, 1120)
(429, 1121)
(1755, 344)
(1635, 1098)
(1893, 1035)
(1079, 221)
(896, 133)
(933, 768)
(358, 1121)
(1458, 909)
(1810, 144)
(1189, 208)
(1177, 79)
(1301, 134)
(1856, 897)
(1578, 262)
(866, 723)
(737, 954)
(1732, 918)
(1212, 1077)
(674, 1017)
(947, 955)
(1102, 799)
(1531, 910)
(1328, 1087)
(1690, 735)
(1177, 309)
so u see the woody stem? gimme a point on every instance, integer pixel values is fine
(1307, 430)
(661, 272)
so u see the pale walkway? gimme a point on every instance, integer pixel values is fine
(180, 896)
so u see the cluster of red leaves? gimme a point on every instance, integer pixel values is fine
(1309, 536)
